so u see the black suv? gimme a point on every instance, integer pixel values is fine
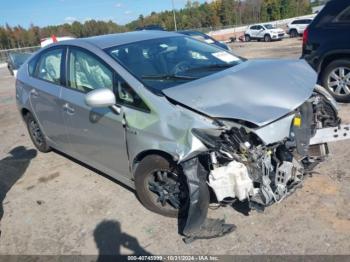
(326, 46)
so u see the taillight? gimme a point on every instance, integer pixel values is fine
(306, 36)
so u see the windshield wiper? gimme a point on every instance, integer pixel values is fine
(208, 67)
(168, 77)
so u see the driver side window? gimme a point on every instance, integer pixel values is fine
(126, 96)
(87, 73)
(49, 66)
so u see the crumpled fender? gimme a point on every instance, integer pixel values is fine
(193, 221)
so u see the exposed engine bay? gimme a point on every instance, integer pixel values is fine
(239, 165)
(242, 166)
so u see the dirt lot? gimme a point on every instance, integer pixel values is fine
(52, 205)
(288, 48)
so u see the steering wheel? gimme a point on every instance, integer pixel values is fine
(181, 67)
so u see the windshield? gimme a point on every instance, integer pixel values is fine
(166, 62)
(269, 26)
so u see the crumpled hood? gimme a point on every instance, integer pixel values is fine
(257, 91)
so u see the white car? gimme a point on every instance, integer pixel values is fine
(264, 32)
(53, 39)
(297, 27)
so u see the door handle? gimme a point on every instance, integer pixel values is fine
(34, 93)
(67, 108)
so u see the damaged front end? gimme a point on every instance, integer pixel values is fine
(260, 165)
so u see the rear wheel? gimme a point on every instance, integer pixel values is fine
(35, 133)
(336, 79)
(160, 186)
(267, 38)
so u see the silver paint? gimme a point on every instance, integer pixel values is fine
(100, 98)
(255, 91)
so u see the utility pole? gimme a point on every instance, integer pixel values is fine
(174, 15)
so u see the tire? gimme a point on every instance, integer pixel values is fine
(267, 38)
(336, 79)
(145, 175)
(247, 38)
(293, 33)
(35, 133)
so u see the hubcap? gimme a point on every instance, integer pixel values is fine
(167, 188)
(36, 132)
(339, 81)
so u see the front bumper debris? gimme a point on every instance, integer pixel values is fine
(331, 134)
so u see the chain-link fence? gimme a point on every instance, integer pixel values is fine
(5, 53)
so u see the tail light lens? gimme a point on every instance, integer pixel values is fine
(306, 36)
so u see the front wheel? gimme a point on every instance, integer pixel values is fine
(336, 79)
(247, 38)
(267, 38)
(160, 186)
(36, 134)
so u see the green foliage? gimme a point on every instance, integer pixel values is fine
(194, 15)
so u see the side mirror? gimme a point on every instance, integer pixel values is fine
(100, 98)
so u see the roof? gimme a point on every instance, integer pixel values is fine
(106, 41)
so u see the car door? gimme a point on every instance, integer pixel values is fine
(260, 31)
(302, 25)
(96, 135)
(45, 86)
(252, 31)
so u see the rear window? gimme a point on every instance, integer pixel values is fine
(333, 12)
(344, 16)
(302, 22)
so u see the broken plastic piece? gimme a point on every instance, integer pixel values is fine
(231, 181)
(211, 228)
(193, 222)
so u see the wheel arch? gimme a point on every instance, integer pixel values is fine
(24, 111)
(267, 34)
(140, 156)
(330, 57)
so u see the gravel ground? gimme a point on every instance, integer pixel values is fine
(53, 205)
(288, 48)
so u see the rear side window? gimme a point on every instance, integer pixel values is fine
(344, 16)
(49, 66)
(87, 73)
(31, 67)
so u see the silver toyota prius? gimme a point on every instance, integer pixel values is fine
(182, 122)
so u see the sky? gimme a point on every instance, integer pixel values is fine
(53, 12)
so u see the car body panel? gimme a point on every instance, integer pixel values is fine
(96, 135)
(244, 92)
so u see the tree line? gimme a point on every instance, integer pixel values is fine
(215, 14)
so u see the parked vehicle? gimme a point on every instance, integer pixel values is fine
(174, 118)
(15, 60)
(205, 38)
(297, 27)
(326, 48)
(265, 32)
(53, 39)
